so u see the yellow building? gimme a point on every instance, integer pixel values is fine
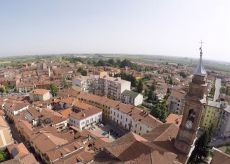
(211, 115)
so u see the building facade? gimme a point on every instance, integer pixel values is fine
(130, 97)
(40, 95)
(84, 119)
(224, 126)
(102, 85)
(176, 101)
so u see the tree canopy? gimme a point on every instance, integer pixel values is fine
(160, 110)
(53, 89)
(201, 149)
(140, 86)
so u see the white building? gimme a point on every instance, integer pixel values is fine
(130, 97)
(113, 87)
(133, 119)
(85, 118)
(102, 85)
(86, 83)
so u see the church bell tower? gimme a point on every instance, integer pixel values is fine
(193, 108)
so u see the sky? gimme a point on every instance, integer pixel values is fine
(154, 27)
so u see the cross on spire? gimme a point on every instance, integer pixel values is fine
(201, 51)
(200, 68)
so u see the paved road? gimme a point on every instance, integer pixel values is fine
(217, 89)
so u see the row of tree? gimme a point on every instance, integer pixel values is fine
(116, 63)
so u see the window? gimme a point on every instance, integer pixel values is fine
(140, 127)
(121, 116)
(126, 119)
(135, 125)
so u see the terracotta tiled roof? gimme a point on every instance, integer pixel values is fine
(18, 150)
(66, 112)
(85, 113)
(29, 159)
(178, 94)
(40, 91)
(64, 150)
(220, 157)
(15, 106)
(45, 141)
(135, 149)
(174, 118)
(163, 132)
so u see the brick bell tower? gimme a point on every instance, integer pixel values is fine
(193, 108)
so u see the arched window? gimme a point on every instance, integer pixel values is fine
(191, 115)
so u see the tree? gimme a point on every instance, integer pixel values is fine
(79, 69)
(183, 74)
(201, 147)
(111, 62)
(153, 86)
(64, 83)
(223, 90)
(170, 81)
(84, 73)
(125, 63)
(2, 89)
(53, 89)
(3, 156)
(118, 62)
(150, 95)
(101, 63)
(160, 110)
(140, 86)
(130, 78)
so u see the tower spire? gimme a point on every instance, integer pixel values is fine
(200, 67)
